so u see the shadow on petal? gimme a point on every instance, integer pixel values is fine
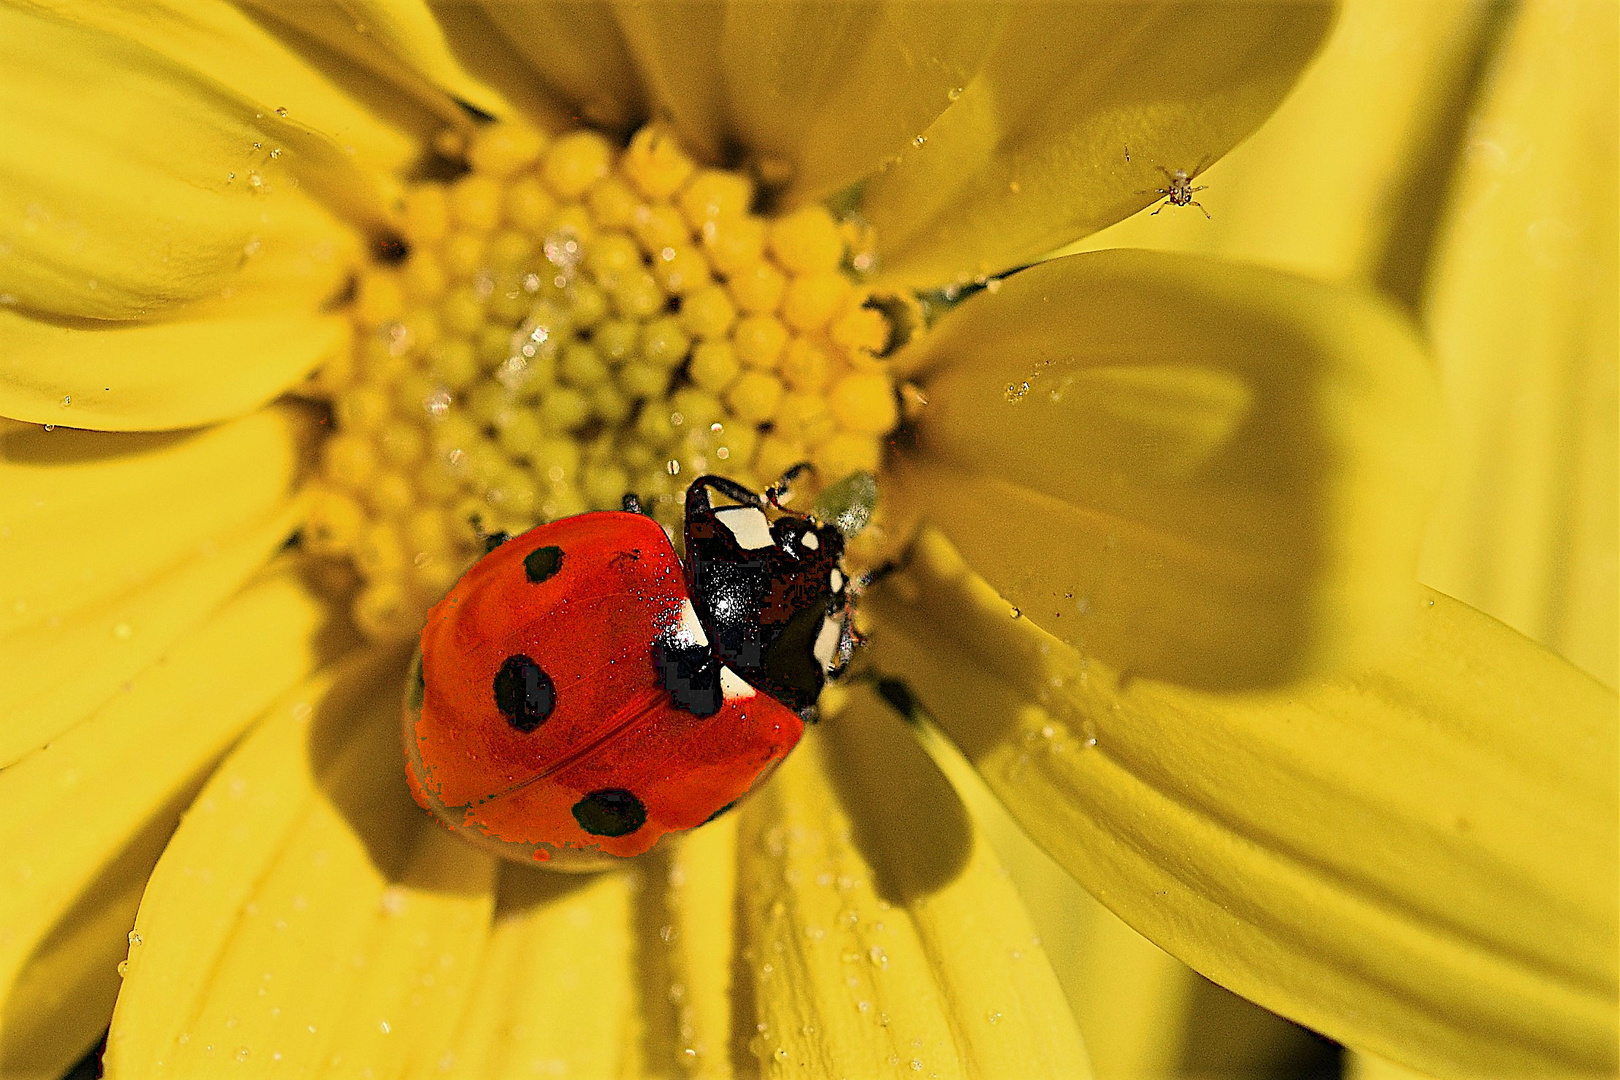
(909, 823)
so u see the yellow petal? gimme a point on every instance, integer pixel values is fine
(829, 92)
(174, 496)
(1522, 310)
(555, 992)
(1418, 859)
(83, 820)
(418, 51)
(1217, 473)
(688, 928)
(306, 912)
(141, 376)
(577, 50)
(673, 46)
(1373, 1067)
(1128, 996)
(128, 194)
(336, 138)
(1318, 188)
(123, 598)
(1033, 153)
(54, 686)
(880, 935)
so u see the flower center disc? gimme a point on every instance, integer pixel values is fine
(571, 322)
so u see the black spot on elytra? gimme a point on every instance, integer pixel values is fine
(542, 563)
(524, 693)
(610, 812)
(691, 674)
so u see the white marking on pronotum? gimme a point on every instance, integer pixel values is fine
(826, 647)
(811, 541)
(836, 579)
(733, 685)
(748, 525)
(689, 629)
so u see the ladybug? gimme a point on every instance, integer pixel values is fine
(580, 692)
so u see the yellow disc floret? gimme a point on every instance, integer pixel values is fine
(572, 322)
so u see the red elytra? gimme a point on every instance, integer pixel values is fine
(545, 718)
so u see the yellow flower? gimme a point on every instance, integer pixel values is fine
(1190, 494)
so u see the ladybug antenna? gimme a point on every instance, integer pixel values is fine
(631, 504)
(697, 493)
(782, 489)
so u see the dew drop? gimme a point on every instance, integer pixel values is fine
(123, 968)
(50, 427)
(1017, 614)
(134, 938)
(243, 1053)
(954, 93)
(878, 956)
(67, 399)
(993, 1016)
(919, 140)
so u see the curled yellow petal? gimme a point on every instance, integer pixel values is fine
(126, 195)
(85, 817)
(1418, 859)
(152, 376)
(1065, 128)
(305, 912)
(406, 43)
(879, 934)
(1218, 473)
(1522, 310)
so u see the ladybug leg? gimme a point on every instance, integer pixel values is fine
(1200, 206)
(631, 504)
(782, 488)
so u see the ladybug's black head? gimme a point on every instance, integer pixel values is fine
(770, 594)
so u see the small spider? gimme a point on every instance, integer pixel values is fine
(1180, 191)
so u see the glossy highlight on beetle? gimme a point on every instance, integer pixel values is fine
(580, 692)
